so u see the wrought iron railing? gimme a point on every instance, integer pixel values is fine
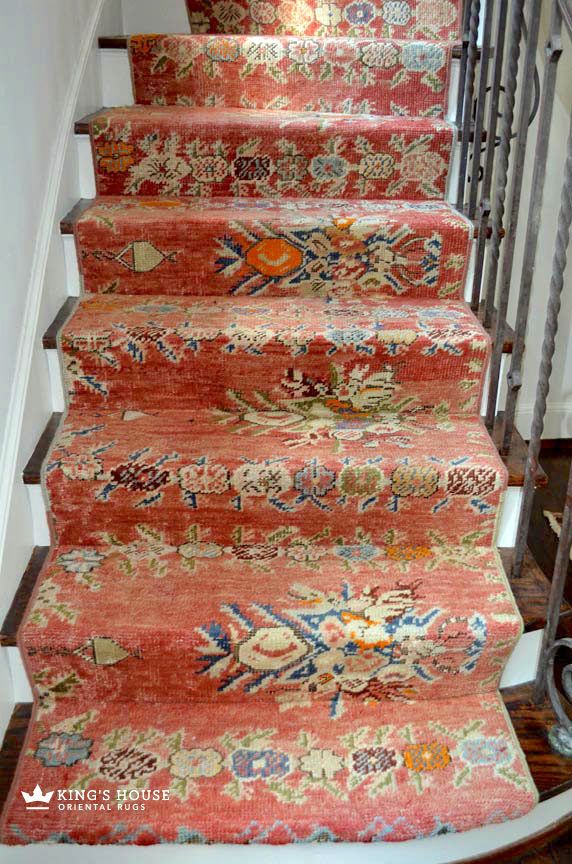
(499, 69)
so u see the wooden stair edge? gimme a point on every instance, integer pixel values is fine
(515, 460)
(82, 126)
(531, 591)
(32, 473)
(120, 42)
(50, 337)
(68, 222)
(17, 610)
(509, 335)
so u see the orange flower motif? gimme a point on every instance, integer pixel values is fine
(115, 156)
(430, 756)
(143, 43)
(408, 553)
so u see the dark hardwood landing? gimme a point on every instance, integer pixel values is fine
(551, 773)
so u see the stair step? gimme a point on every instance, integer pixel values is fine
(351, 356)
(149, 150)
(395, 773)
(257, 469)
(436, 19)
(346, 75)
(272, 247)
(530, 591)
(289, 620)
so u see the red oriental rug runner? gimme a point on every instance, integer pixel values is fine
(273, 610)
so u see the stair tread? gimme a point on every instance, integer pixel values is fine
(309, 247)
(404, 78)
(394, 773)
(288, 620)
(174, 150)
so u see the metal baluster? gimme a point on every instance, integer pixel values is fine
(485, 206)
(560, 736)
(552, 53)
(468, 99)
(517, 176)
(548, 347)
(504, 155)
(480, 115)
(463, 68)
(556, 593)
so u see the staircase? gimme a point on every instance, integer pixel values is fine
(273, 610)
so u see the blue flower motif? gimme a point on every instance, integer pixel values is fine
(259, 764)
(359, 13)
(421, 57)
(314, 481)
(329, 167)
(396, 12)
(361, 552)
(486, 751)
(63, 748)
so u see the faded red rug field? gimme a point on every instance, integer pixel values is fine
(273, 610)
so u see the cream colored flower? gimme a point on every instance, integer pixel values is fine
(328, 14)
(258, 479)
(321, 763)
(192, 764)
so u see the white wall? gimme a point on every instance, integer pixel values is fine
(49, 75)
(155, 16)
(558, 423)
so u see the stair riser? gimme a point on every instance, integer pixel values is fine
(148, 152)
(337, 631)
(314, 251)
(249, 476)
(388, 77)
(417, 19)
(87, 178)
(117, 87)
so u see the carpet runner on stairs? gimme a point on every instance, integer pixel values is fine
(309, 248)
(403, 78)
(396, 19)
(273, 596)
(149, 150)
(259, 775)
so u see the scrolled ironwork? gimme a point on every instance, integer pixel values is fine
(560, 736)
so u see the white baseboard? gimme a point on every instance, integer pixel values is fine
(557, 423)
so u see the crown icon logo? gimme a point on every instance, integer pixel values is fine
(37, 800)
